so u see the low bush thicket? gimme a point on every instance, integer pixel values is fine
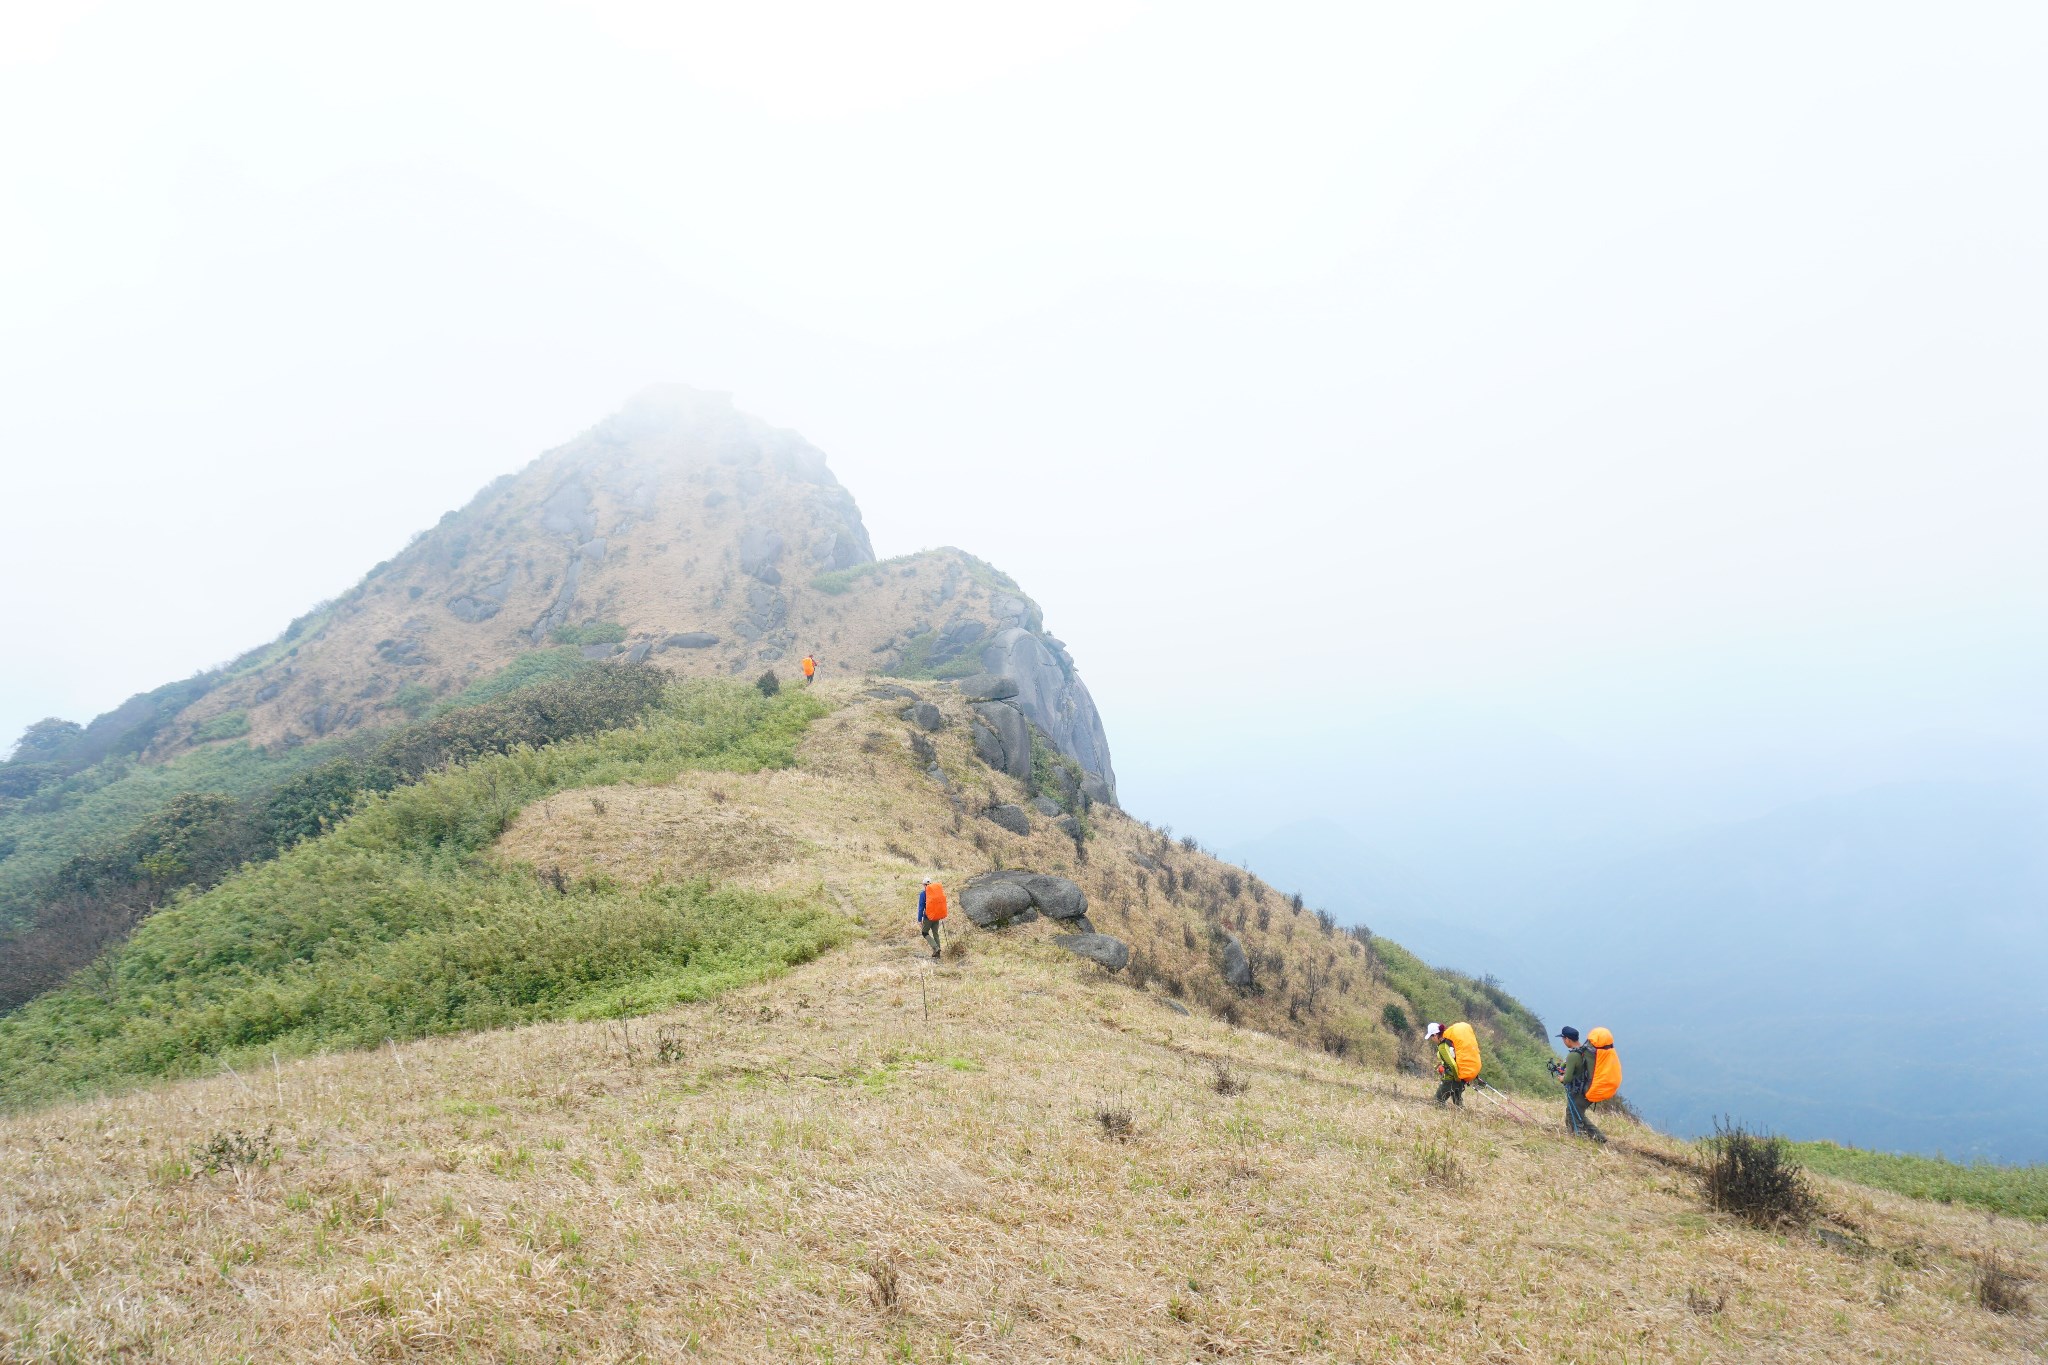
(196, 839)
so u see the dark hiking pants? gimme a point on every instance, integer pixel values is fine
(1453, 1090)
(930, 929)
(1575, 1120)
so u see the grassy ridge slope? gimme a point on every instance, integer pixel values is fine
(389, 927)
(871, 1158)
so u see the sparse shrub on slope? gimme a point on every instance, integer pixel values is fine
(1754, 1177)
(389, 926)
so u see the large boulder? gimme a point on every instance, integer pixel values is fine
(1111, 952)
(1016, 894)
(690, 639)
(1011, 818)
(923, 715)
(988, 746)
(1237, 968)
(993, 900)
(1055, 897)
(1014, 731)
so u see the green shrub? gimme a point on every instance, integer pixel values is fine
(595, 633)
(835, 582)
(391, 926)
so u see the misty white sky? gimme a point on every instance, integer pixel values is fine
(1663, 377)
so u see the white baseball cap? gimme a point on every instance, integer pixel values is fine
(1433, 1030)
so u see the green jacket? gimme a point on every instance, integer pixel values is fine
(1447, 1058)
(1578, 1068)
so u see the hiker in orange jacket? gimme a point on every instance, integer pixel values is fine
(931, 912)
(810, 667)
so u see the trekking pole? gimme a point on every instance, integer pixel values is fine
(1509, 1104)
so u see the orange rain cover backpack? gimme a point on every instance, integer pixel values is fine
(935, 902)
(1466, 1044)
(1606, 1067)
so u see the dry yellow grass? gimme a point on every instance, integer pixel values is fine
(878, 1158)
(859, 814)
(564, 1190)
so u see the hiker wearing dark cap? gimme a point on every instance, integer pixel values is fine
(1575, 1075)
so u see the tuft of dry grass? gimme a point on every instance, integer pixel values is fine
(885, 1280)
(1998, 1289)
(1226, 1080)
(1117, 1122)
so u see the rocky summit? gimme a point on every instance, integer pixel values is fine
(678, 530)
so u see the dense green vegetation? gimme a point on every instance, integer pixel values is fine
(95, 897)
(1517, 1055)
(109, 800)
(594, 633)
(919, 652)
(534, 666)
(834, 582)
(391, 926)
(2020, 1191)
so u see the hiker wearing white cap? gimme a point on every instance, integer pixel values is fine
(1452, 1088)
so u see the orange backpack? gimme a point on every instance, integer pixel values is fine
(1465, 1043)
(935, 902)
(1606, 1067)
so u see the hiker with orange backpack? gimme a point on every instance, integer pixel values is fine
(931, 912)
(1578, 1075)
(810, 668)
(1457, 1060)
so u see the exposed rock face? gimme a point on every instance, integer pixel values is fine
(1052, 696)
(1111, 952)
(923, 715)
(759, 549)
(690, 639)
(1013, 738)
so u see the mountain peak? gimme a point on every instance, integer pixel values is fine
(679, 530)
